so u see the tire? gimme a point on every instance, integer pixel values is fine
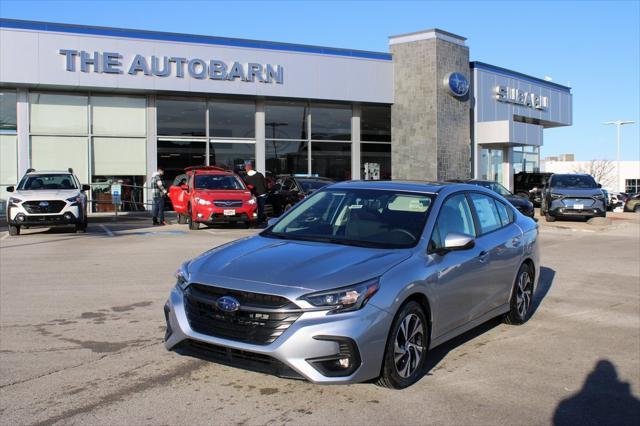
(637, 209)
(549, 218)
(193, 225)
(407, 370)
(521, 297)
(247, 224)
(14, 230)
(182, 219)
(81, 227)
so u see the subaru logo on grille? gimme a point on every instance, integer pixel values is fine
(228, 304)
(44, 204)
(226, 203)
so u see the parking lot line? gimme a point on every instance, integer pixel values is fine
(107, 230)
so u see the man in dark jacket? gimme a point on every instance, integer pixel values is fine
(259, 187)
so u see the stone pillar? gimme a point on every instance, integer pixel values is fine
(430, 127)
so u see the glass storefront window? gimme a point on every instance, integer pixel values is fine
(119, 156)
(331, 122)
(175, 156)
(491, 164)
(331, 159)
(375, 123)
(7, 111)
(287, 157)
(58, 114)
(8, 166)
(232, 119)
(375, 160)
(231, 155)
(286, 120)
(181, 117)
(526, 159)
(119, 115)
(632, 186)
(60, 153)
(132, 193)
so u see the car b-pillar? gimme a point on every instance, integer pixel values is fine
(430, 116)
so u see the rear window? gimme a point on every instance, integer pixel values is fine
(218, 182)
(312, 184)
(47, 181)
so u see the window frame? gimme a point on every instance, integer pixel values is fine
(430, 247)
(477, 220)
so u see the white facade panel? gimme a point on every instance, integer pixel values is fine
(306, 75)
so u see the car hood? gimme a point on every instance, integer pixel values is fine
(290, 268)
(228, 194)
(45, 194)
(519, 201)
(577, 192)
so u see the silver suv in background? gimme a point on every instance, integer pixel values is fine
(357, 282)
(572, 196)
(46, 199)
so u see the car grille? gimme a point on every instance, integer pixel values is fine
(236, 358)
(228, 203)
(255, 326)
(34, 207)
(570, 201)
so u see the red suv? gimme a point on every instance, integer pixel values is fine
(212, 195)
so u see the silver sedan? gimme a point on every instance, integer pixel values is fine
(358, 282)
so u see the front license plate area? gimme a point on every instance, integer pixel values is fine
(578, 206)
(229, 212)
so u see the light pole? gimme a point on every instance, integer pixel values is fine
(618, 124)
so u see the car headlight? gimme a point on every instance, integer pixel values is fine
(556, 196)
(599, 196)
(182, 275)
(75, 199)
(203, 202)
(252, 201)
(14, 200)
(344, 299)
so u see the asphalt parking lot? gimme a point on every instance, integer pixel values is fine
(81, 329)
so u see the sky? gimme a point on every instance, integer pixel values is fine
(592, 46)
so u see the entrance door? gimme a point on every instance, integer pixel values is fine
(492, 164)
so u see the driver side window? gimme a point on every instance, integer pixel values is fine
(455, 217)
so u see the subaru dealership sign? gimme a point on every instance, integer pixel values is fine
(167, 66)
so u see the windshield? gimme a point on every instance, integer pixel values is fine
(572, 181)
(361, 217)
(312, 184)
(44, 181)
(218, 182)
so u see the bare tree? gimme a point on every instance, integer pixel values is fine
(603, 171)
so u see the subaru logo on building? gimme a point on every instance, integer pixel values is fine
(228, 304)
(457, 84)
(44, 204)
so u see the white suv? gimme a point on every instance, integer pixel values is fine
(51, 198)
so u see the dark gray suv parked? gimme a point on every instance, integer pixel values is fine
(572, 195)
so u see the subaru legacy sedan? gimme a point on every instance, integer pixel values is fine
(358, 282)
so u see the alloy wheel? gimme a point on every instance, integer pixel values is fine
(524, 294)
(409, 345)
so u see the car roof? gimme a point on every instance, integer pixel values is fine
(305, 177)
(401, 185)
(49, 172)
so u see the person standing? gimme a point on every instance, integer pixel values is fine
(159, 192)
(259, 187)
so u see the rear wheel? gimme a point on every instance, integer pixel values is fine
(406, 348)
(14, 230)
(182, 219)
(521, 297)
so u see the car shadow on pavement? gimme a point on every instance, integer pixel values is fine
(603, 400)
(436, 355)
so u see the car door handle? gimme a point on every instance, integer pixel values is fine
(482, 257)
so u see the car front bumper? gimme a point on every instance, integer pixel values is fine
(69, 215)
(589, 208)
(314, 335)
(213, 215)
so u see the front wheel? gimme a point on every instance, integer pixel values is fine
(14, 230)
(182, 219)
(549, 218)
(521, 297)
(406, 348)
(193, 225)
(637, 209)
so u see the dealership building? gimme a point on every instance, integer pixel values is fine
(116, 104)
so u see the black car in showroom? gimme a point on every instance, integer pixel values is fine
(574, 196)
(530, 184)
(289, 189)
(521, 203)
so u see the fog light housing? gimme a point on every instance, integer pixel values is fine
(344, 363)
(255, 215)
(20, 217)
(199, 215)
(68, 216)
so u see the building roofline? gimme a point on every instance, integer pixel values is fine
(516, 74)
(189, 38)
(430, 30)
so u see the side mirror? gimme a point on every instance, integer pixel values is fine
(272, 221)
(454, 242)
(10, 188)
(86, 187)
